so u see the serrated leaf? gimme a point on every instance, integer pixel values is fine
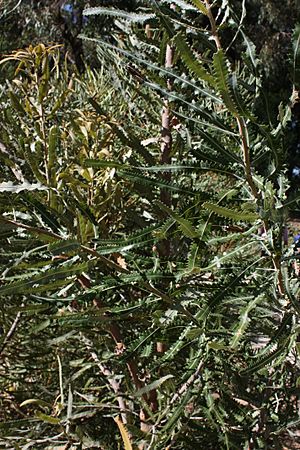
(27, 285)
(33, 309)
(169, 73)
(263, 362)
(185, 225)
(192, 257)
(190, 60)
(53, 142)
(217, 346)
(41, 326)
(222, 80)
(231, 213)
(104, 163)
(155, 182)
(63, 338)
(16, 104)
(119, 14)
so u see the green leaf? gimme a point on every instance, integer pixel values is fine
(28, 284)
(200, 6)
(168, 73)
(53, 142)
(217, 346)
(266, 360)
(101, 163)
(182, 4)
(155, 182)
(192, 257)
(30, 309)
(63, 338)
(152, 386)
(48, 419)
(16, 104)
(244, 320)
(231, 213)
(222, 80)
(63, 246)
(190, 60)
(185, 225)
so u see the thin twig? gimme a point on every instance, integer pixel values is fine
(246, 155)
(187, 384)
(213, 26)
(10, 332)
(115, 385)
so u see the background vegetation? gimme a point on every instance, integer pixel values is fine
(149, 280)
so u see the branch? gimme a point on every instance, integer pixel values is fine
(10, 332)
(115, 385)
(213, 25)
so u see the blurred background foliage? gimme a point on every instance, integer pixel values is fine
(169, 301)
(269, 25)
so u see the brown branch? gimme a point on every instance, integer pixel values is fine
(213, 25)
(246, 155)
(115, 385)
(115, 332)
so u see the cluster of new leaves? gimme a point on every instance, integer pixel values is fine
(175, 315)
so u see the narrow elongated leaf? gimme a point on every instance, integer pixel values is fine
(52, 153)
(169, 73)
(222, 80)
(48, 419)
(155, 182)
(296, 59)
(17, 105)
(35, 401)
(28, 284)
(200, 6)
(63, 246)
(185, 225)
(230, 213)
(104, 163)
(10, 186)
(119, 14)
(152, 386)
(124, 434)
(190, 60)
(266, 360)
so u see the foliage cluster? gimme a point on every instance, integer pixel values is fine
(147, 297)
